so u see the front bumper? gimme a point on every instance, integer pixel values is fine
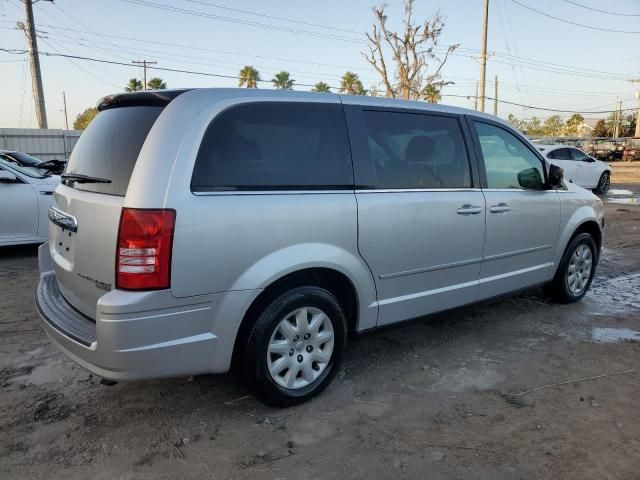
(143, 335)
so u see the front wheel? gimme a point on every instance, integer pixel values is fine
(295, 346)
(603, 184)
(576, 270)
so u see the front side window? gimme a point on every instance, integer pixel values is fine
(578, 155)
(508, 162)
(413, 150)
(275, 145)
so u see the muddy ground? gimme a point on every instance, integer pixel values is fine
(462, 395)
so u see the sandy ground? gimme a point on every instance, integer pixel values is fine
(455, 396)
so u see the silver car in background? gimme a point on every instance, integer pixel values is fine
(196, 229)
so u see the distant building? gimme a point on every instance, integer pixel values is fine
(587, 126)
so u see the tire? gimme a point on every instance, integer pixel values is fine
(566, 288)
(603, 183)
(271, 345)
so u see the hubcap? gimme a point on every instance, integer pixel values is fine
(309, 332)
(579, 270)
(604, 183)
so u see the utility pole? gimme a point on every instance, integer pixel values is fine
(495, 96)
(483, 58)
(66, 118)
(144, 64)
(34, 60)
(616, 119)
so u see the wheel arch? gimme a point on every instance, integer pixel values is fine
(332, 280)
(583, 221)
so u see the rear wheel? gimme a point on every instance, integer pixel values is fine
(603, 184)
(295, 346)
(576, 270)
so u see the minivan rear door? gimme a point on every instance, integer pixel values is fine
(420, 218)
(84, 220)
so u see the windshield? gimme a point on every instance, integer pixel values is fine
(23, 158)
(29, 171)
(109, 148)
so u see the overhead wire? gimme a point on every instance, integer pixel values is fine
(606, 12)
(570, 22)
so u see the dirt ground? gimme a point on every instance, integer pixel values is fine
(462, 395)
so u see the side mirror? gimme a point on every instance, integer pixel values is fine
(556, 175)
(589, 159)
(531, 179)
(7, 177)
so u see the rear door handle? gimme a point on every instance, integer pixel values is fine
(468, 209)
(500, 208)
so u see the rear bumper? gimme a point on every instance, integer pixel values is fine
(143, 335)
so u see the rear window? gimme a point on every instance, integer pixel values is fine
(275, 146)
(109, 148)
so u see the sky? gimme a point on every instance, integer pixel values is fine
(540, 61)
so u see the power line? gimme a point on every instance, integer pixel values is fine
(273, 17)
(533, 107)
(235, 77)
(268, 26)
(573, 23)
(603, 11)
(507, 58)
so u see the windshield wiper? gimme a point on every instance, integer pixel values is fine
(79, 178)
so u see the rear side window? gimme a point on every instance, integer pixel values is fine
(109, 148)
(560, 154)
(275, 146)
(417, 151)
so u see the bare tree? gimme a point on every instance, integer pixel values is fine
(413, 51)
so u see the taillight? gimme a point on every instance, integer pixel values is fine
(143, 258)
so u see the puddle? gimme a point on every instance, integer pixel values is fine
(614, 335)
(627, 197)
(614, 295)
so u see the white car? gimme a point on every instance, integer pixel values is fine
(25, 198)
(579, 168)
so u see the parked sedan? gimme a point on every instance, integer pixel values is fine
(579, 168)
(25, 198)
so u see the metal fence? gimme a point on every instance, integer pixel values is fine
(46, 144)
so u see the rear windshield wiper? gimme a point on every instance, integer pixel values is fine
(79, 178)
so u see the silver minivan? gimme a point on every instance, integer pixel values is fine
(199, 229)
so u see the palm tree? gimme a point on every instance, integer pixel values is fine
(283, 81)
(431, 94)
(156, 84)
(133, 86)
(321, 87)
(249, 77)
(351, 84)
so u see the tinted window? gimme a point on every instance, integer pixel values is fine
(275, 146)
(508, 161)
(109, 148)
(578, 155)
(417, 150)
(560, 154)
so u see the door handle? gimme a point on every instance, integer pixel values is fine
(468, 209)
(500, 208)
